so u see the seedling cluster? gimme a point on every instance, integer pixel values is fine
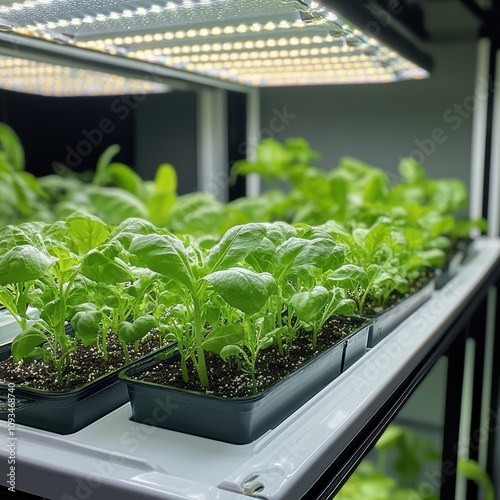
(124, 256)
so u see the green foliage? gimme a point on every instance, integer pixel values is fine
(410, 455)
(243, 289)
(129, 256)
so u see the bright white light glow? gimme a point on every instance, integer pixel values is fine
(22, 75)
(273, 44)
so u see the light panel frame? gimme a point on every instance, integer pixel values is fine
(192, 29)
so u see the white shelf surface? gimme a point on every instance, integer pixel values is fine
(9, 327)
(117, 458)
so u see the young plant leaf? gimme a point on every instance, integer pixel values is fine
(25, 342)
(160, 204)
(130, 228)
(308, 306)
(349, 277)
(101, 175)
(243, 289)
(223, 336)
(7, 299)
(87, 232)
(86, 325)
(113, 205)
(279, 232)
(22, 264)
(232, 351)
(165, 255)
(101, 268)
(297, 253)
(235, 245)
(144, 324)
(474, 472)
(345, 307)
(11, 147)
(124, 177)
(127, 333)
(133, 332)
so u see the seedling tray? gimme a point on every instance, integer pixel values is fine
(356, 342)
(238, 420)
(63, 412)
(384, 323)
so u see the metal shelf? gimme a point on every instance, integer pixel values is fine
(309, 454)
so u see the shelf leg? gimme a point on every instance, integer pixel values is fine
(454, 387)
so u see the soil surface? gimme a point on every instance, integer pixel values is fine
(227, 381)
(87, 364)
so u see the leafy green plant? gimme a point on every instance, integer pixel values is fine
(406, 454)
(248, 292)
(20, 267)
(190, 269)
(382, 259)
(21, 196)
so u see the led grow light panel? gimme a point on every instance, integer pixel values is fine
(304, 42)
(22, 75)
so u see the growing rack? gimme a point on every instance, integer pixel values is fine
(311, 453)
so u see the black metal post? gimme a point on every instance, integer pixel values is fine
(477, 331)
(493, 421)
(454, 388)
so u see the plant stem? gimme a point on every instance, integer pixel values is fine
(201, 367)
(315, 336)
(105, 344)
(125, 352)
(21, 303)
(59, 364)
(184, 370)
(61, 337)
(254, 379)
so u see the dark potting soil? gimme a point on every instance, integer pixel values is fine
(87, 364)
(396, 297)
(226, 380)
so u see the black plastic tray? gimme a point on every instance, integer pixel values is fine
(384, 323)
(356, 343)
(237, 421)
(63, 412)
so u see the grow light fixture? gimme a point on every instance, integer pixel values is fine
(303, 41)
(33, 77)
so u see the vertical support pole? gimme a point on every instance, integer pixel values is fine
(212, 143)
(478, 331)
(254, 183)
(494, 191)
(466, 412)
(479, 130)
(492, 419)
(454, 388)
